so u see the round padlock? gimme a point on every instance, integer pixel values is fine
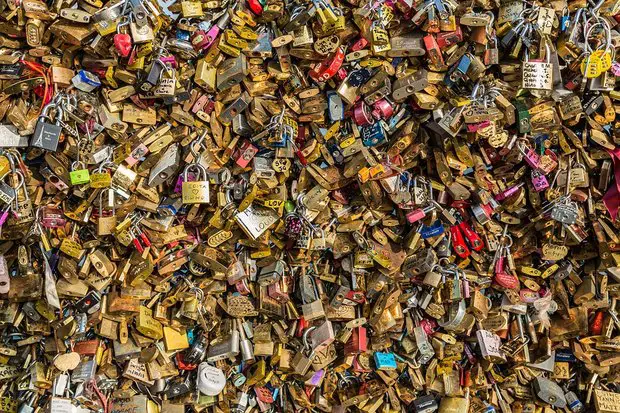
(210, 379)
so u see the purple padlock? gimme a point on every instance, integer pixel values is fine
(169, 60)
(179, 185)
(539, 181)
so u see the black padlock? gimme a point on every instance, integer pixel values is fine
(154, 76)
(46, 135)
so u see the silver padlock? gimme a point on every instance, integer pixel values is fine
(425, 350)
(247, 349)
(549, 392)
(224, 348)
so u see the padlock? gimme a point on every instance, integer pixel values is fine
(106, 224)
(539, 181)
(549, 392)
(210, 380)
(140, 34)
(227, 346)
(47, 135)
(195, 192)
(79, 176)
(122, 41)
(537, 75)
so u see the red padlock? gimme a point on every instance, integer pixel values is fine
(328, 68)
(122, 41)
(256, 7)
(474, 240)
(200, 40)
(458, 242)
(358, 342)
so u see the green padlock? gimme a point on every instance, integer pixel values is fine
(79, 176)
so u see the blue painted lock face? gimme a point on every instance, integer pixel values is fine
(432, 231)
(335, 151)
(372, 135)
(278, 140)
(182, 35)
(335, 107)
(457, 72)
(385, 361)
(359, 77)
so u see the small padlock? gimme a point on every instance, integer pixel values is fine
(491, 53)
(539, 181)
(106, 224)
(79, 176)
(122, 41)
(101, 178)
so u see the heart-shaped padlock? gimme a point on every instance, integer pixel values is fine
(122, 43)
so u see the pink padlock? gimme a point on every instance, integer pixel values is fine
(216, 29)
(508, 192)
(539, 181)
(383, 109)
(532, 158)
(169, 61)
(506, 280)
(178, 187)
(418, 214)
(4, 216)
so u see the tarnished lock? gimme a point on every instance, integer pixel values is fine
(106, 223)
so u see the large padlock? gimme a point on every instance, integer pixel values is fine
(549, 392)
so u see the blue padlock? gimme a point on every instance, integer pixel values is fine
(372, 135)
(432, 231)
(183, 35)
(457, 72)
(385, 361)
